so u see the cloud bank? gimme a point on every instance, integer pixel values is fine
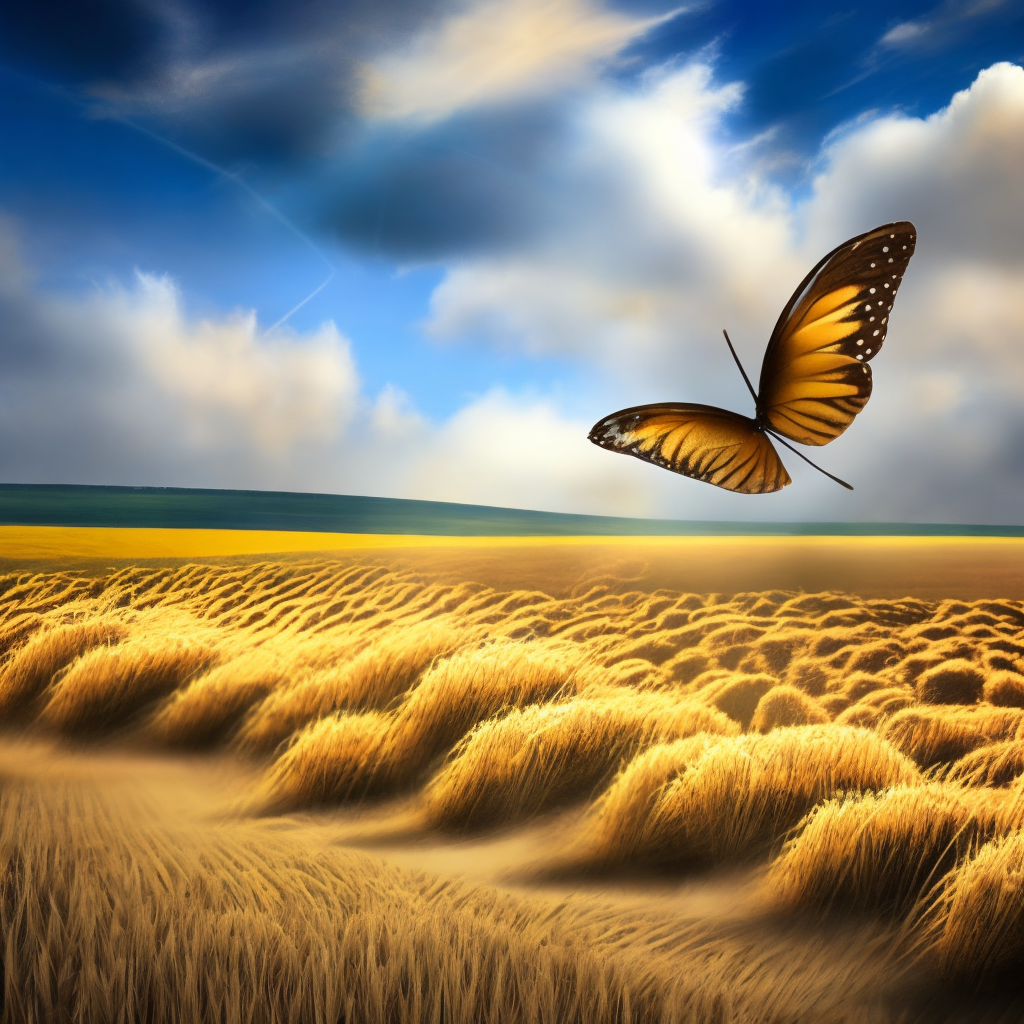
(690, 238)
(624, 244)
(121, 386)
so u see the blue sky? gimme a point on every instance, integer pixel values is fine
(416, 250)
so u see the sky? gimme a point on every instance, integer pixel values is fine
(417, 249)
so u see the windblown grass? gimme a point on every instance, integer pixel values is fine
(996, 764)
(786, 705)
(1005, 689)
(203, 713)
(354, 755)
(865, 751)
(974, 930)
(113, 683)
(541, 756)
(371, 679)
(738, 798)
(739, 695)
(112, 912)
(880, 852)
(932, 736)
(32, 667)
(954, 682)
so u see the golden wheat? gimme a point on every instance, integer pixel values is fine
(878, 852)
(786, 705)
(111, 912)
(371, 679)
(486, 707)
(740, 796)
(538, 757)
(939, 735)
(33, 666)
(996, 764)
(353, 755)
(974, 929)
(110, 684)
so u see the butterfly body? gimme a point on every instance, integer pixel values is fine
(814, 378)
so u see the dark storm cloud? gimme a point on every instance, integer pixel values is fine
(78, 41)
(267, 81)
(471, 183)
(272, 87)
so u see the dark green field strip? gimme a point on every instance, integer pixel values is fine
(188, 508)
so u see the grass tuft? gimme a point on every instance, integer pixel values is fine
(371, 680)
(786, 705)
(858, 685)
(995, 764)
(809, 675)
(878, 852)
(106, 686)
(740, 796)
(343, 757)
(937, 735)
(954, 682)
(740, 695)
(538, 757)
(1005, 689)
(203, 713)
(974, 931)
(33, 667)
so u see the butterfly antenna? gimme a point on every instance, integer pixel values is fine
(750, 387)
(849, 487)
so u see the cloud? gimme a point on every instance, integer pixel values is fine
(658, 244)
(276, 392)
(619, 232)
(955, 174)
(474, 183)
(272, 83)
(494, 50)
(85, 40)
(676, 235)
(119, 385)
(938, 26)
(507, 451)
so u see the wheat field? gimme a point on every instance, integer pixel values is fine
(249, 792)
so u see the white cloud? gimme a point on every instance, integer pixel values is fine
(500, 450)
(675, 236)
(956, 174)
(948, 17)
(666, 234)
(903, 33)
(226, 379)
(121, 386)
(657, 248)
(120, 383)
(492, 51)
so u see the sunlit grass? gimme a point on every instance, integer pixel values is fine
(867, 754)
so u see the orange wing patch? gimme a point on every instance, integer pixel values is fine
(698, 441)
(815, 377)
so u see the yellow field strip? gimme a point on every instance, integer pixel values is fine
(63, 542)
(87, 542)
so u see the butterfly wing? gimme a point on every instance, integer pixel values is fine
(815, 377)
(699, 441)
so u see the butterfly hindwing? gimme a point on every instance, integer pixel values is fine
(699, 441)
(815, 377)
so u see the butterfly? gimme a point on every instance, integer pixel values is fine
(815, 376)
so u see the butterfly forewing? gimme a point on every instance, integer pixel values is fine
(815, 377)
(699, 441)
